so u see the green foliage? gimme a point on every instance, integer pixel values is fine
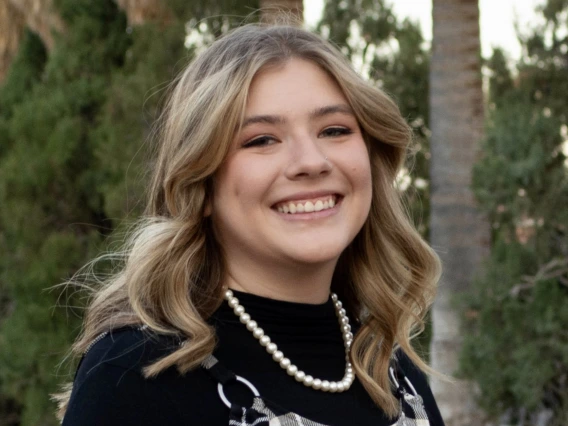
(501, 82)
(46, 185)
(514, 343)
(73, 159)
(515, 328)
(522, 176)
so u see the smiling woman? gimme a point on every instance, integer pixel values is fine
(274, 190)
(300, 147)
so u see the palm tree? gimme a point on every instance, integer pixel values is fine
(37, 15)
(42, 18)
(11, 29)
(271, 10)
(458, 232)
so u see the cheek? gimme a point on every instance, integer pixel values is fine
(360, 169)
(239, 182)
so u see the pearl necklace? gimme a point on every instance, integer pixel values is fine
(292, 370)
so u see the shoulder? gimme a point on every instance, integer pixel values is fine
(110, 387)
(404, 363)
(408, 372)
(128, 348)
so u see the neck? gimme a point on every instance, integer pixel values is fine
(301, 283)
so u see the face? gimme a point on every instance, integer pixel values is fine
(296, 186)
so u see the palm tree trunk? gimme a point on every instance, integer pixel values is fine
(15, 15)
(458, 232)
(12, 24)
(282, 11)
(41, 17)
(139, 12)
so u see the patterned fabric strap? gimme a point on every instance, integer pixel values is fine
(218, 371)
(259, 414)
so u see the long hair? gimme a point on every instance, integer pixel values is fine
(172, 267)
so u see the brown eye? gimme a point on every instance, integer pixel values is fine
(332, 132)
(260, 141)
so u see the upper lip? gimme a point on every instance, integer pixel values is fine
(306, 196)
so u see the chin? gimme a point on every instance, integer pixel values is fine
(315, 257)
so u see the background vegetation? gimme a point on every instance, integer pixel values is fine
(74, 150)
(516, 332)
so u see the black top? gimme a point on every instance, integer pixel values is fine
(109, 387)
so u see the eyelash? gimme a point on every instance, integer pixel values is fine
(337, 132)
(257, 142)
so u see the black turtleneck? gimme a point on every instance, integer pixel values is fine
(109, 387)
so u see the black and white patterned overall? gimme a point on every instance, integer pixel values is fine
(265, 413)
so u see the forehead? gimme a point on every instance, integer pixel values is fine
(296, 85)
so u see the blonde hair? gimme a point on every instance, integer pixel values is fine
(172, 273)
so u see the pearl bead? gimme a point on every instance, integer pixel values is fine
(271, 348)
(285, 363)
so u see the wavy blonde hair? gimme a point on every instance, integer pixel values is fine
(172, 267)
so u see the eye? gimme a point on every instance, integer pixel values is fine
(260, 141)
(332, 132)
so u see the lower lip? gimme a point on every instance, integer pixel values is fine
(313, 215)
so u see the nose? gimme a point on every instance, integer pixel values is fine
(307, 160)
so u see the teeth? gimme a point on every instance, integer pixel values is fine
(308, 206)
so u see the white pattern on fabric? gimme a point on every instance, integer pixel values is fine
(260, 415)
(288, 419)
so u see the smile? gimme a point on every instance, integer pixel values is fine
(307, 206)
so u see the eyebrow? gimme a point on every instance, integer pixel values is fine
(316, 113)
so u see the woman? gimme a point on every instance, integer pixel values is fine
(276, 278)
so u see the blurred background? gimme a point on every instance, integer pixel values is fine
(82, 81)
